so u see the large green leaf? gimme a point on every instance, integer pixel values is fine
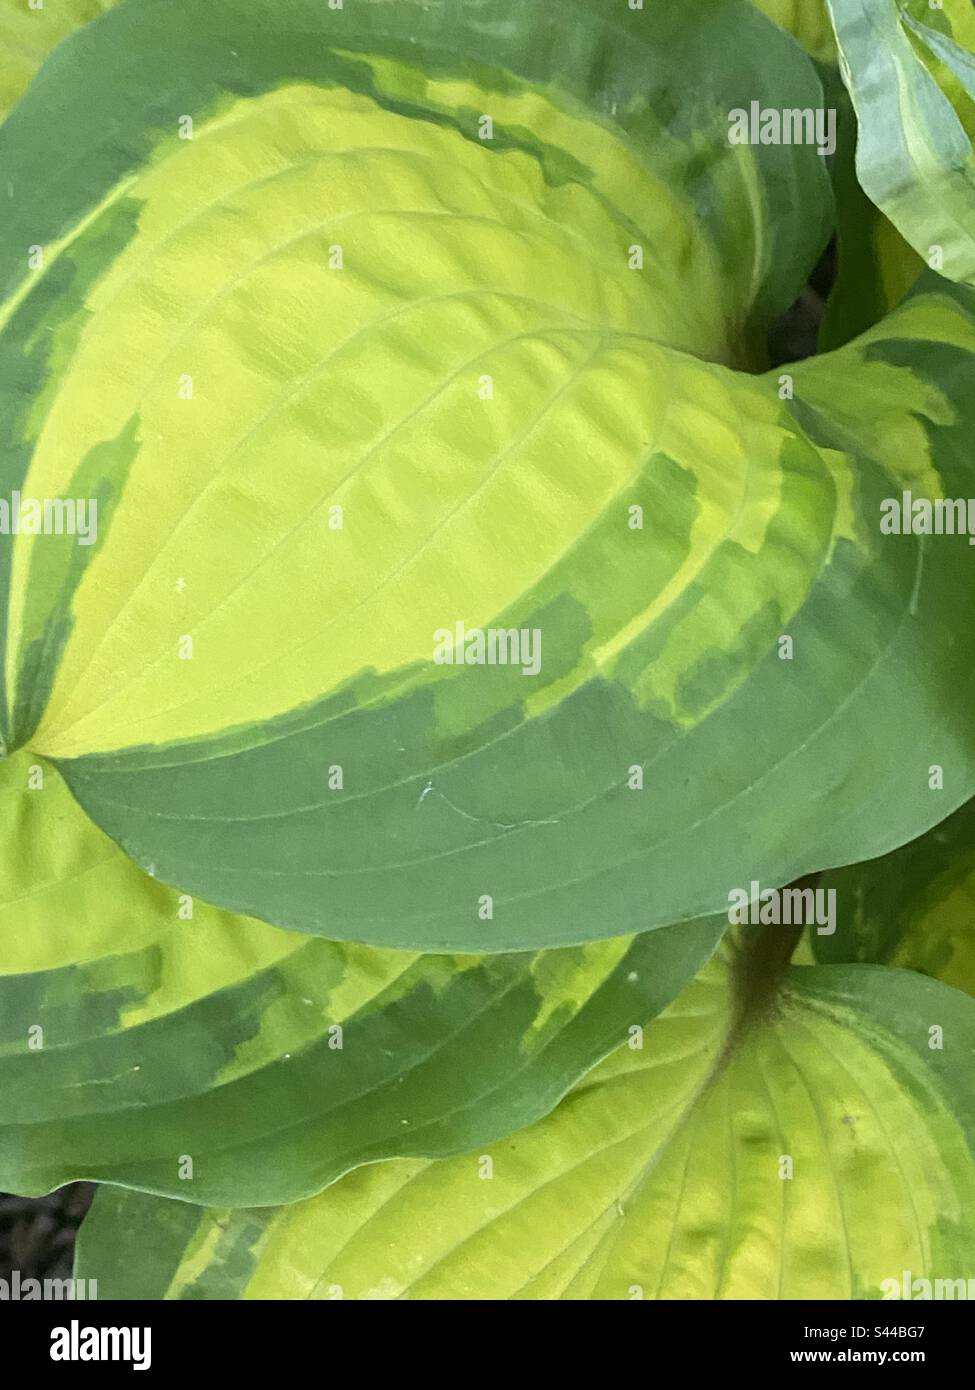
(662, 1175)
(208, 258)
(139, 1029)
(311, 764)
(913, 84)
(913, 908)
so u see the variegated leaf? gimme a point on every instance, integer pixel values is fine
(772, 1139)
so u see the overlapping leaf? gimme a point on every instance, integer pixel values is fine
(913, 85)
(914, 908)
(308, 762)
(140, 1030)
(357, 325)
(192, 353)
(770, 1140)
(493, 403)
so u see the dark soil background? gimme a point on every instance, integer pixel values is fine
(37, 1234)
(793, 335)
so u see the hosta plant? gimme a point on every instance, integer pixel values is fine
(485, 745)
